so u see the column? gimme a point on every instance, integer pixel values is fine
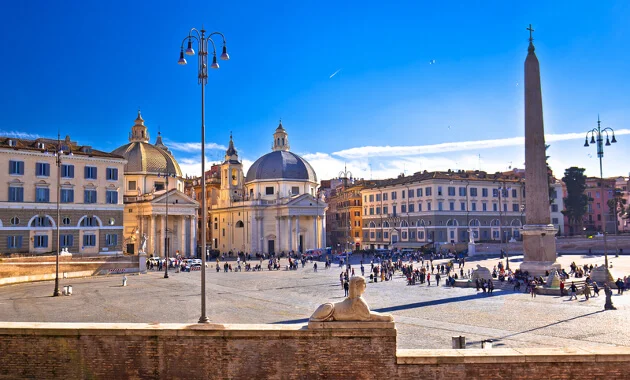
(315, 232)
(297, 233)
(323, 236)
(277, 244)
(182, 235)
(162, 246)
(290, 232)
(193, 236)
(262, 234)
(152, 236)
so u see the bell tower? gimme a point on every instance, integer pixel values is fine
(231, 177)
(139, 131)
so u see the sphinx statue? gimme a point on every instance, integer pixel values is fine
(353, 308)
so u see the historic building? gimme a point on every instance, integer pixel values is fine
(273, 208)
(90, 197)
(598, 213)
(343, 217)
(153, 192)
(192, 188)
(410, 211)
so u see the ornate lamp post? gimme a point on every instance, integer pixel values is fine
(202, 77)
(58, 152)
(166, 175)
(597, 136)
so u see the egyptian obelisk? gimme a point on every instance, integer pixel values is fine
(539, 243)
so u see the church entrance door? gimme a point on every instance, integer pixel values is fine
(270, 246)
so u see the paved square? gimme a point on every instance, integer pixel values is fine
(426, 317)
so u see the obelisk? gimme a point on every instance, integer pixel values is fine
(539, 243)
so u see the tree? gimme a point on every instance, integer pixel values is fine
(616, 205)
(550, 178)
(576, 202)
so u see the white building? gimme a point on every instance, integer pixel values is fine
(271, 209)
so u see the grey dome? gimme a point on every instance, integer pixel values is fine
(281, 165)
(144, 157)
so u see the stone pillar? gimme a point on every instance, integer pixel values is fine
(262, 234)
(539, 244)
(315, 232)
(182, 235)
(152, 236)
(277, 244)
(290, 232)
(297, 234)
(323, 237)
(193, 237)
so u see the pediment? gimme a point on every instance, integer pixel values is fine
(306, 200)
(174, 196)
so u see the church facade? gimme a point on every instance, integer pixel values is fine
(271, 209)
(156, 209)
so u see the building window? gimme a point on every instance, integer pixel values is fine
(495, 193)
(14, 242)
(131, 185)
(504, 207)
(371, 197)
(111, 240)
(40, 241)
(420, 235)
(451, 206)
(15, 221)
(89, 240)
(42, 195)
(66, 221)
(269, 190)
(159, 186)
(16, 194)
(385, 197)
(89, 196)
(404, 235)
(89, 172)
(403, 208)
(41, 221)
(473, 191)
(515, 193)
(554, 220)
(411, 207)
(378, 234)
(484, 206)
(428, 206)
(473, 206)
(495, 207)
(372, 235)
(439, 193)
(462, 191)
(427, 191)
(89, 221)
(16, 167)
(412, 235)
(410, 194)
(394, 209)
(419, 207)
(371, 210)
(385, 210)
(378, 210)
(554, 208)
(386, 235)
(112, 174)
(451, 191)
(42, 169)
(402, 193)
(111, 196)
(393, 195)
(66, 240)
(463, 206)
(378, 197)
(66, 196)
(484, 192)
(419, 192)
(67, 171)
(440, 206)
(515, 207)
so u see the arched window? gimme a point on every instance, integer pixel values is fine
(404, 224)
(421, 223)
(495, 223)
(385, 224)
(515, 223)
(240, 224)
(452, 223)
(371, 225)
(474, 223)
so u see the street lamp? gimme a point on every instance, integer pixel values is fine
(202, 77)
(166, 175)
(597, 137)
(58, 153)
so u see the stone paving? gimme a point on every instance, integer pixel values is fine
(426, 317)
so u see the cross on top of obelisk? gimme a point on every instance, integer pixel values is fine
(530, 32)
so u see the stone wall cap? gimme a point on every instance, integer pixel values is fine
(351, 325)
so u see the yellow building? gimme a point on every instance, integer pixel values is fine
(90, 197)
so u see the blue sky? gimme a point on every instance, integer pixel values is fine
(85, 67)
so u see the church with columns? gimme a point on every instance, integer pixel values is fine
(156, 209)
(271, 209)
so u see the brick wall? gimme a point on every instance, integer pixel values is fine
(111, 351)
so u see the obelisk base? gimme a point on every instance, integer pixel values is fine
(539, 249)
(602, 275)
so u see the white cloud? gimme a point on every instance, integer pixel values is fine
(397, 151)
(19, 135)
(191, 167)
(191, 147)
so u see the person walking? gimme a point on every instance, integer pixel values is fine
(532, 289)
(573, 289)
(587, 291)
(428, 279)
(346, 287)
(437, 279)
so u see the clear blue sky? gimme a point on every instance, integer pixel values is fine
(85, 67)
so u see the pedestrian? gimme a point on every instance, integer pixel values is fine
(362, 271)
(586, 291)
(532, 289)
(595, 289)
(561, 288)
(346, 287)
(315, 267)
(437, 279)
(490, 286)
(573, 289)
(428, 279)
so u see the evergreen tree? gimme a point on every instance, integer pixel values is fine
(576, 202)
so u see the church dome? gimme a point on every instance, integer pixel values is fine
(281, 164)
(144, 157)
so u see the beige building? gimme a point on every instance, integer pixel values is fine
(271, 209)
(153, 192)
(91, 204)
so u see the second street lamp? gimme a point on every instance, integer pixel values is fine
(597, 137)
(202, 77)
(166, 175)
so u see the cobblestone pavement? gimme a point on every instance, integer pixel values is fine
(426, 317)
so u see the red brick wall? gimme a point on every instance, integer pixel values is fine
(138, 351)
